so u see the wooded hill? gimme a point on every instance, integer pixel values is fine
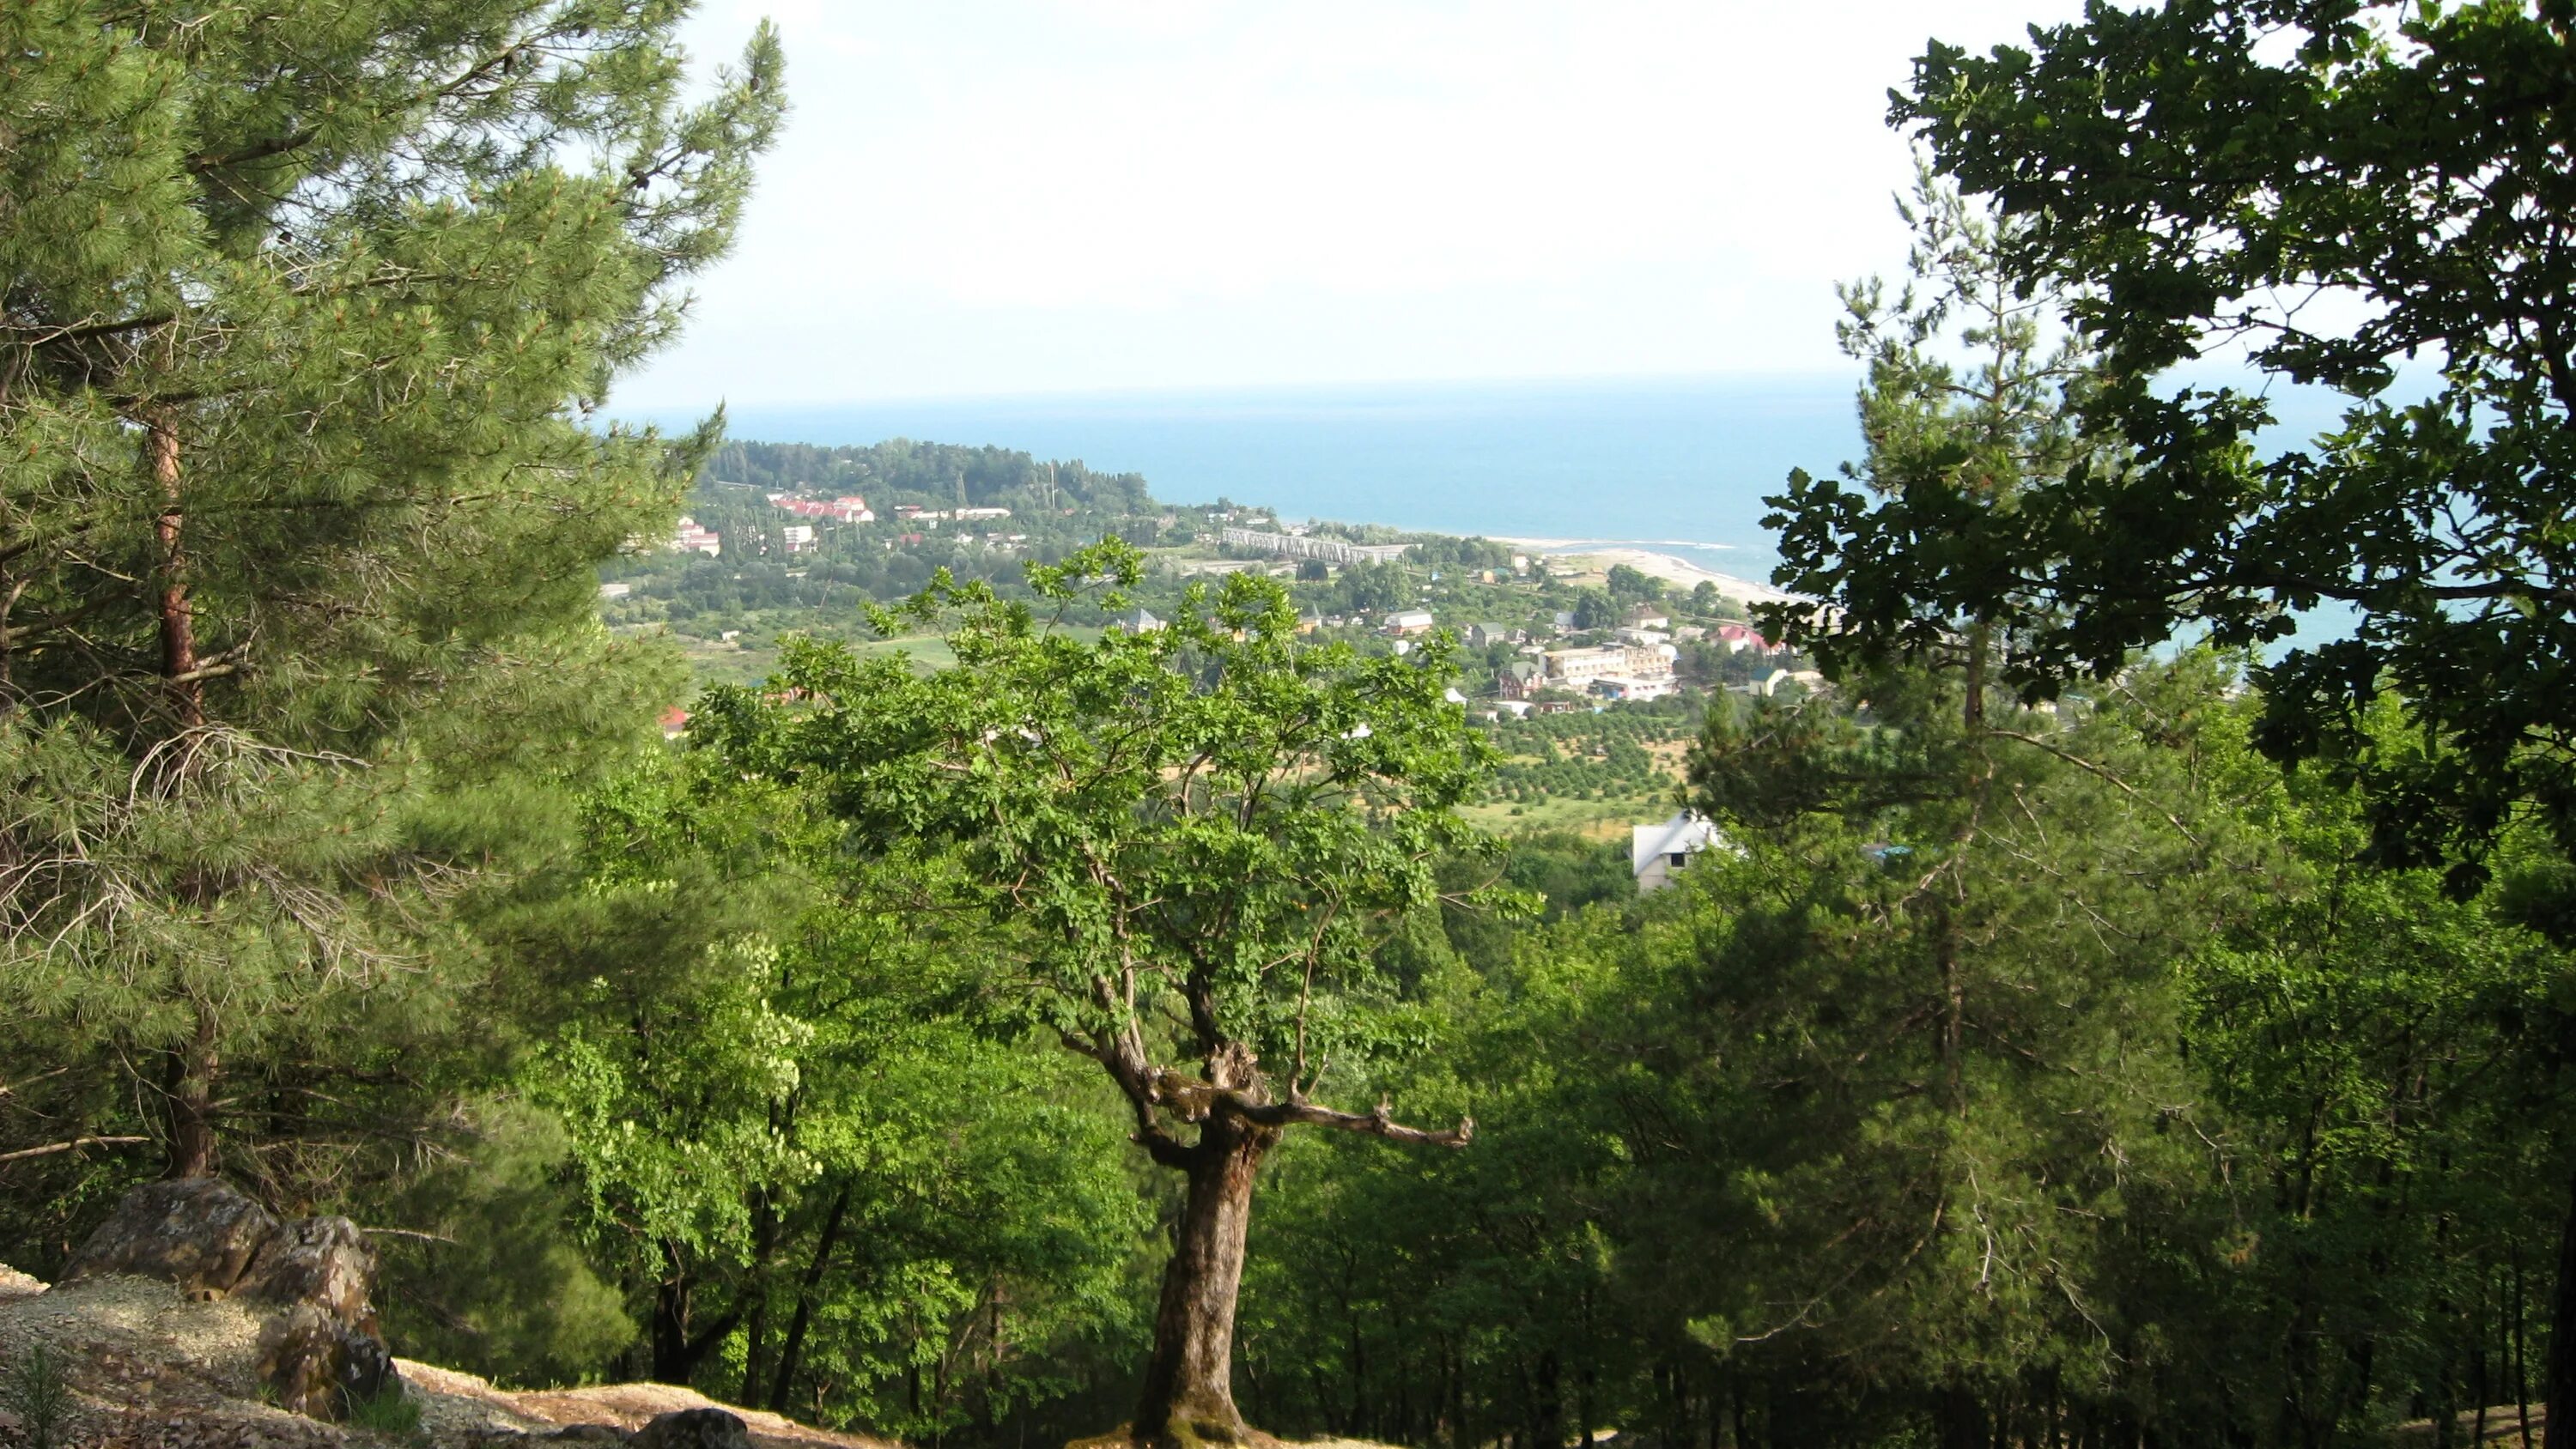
(2101, 1023)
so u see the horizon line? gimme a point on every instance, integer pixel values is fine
(1567, 382)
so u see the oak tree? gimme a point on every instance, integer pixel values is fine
(1199, 830)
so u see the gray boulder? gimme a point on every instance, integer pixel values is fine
(196, 1232)
(693, 1429)
(320, 1350)
(324, 1262)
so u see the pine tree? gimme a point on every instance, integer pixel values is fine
(307, 312)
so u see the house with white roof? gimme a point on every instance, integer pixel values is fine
(1657, 852)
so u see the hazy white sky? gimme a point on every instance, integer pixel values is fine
(983, 197)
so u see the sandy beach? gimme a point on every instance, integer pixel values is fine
(1668, 567)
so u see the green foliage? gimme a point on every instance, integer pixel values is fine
(1970, 407)
(40, 1395)
(387, 1411)
(1595, 609)
(1209, 809)
(306, 309)
(1609, 754)
(1370, 588)
(758, 1062)
(504, 1286)
(2009, 1086)
(2022, 1065)
(930, 474)
(2407, 155)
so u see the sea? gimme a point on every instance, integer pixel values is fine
(1676, 465)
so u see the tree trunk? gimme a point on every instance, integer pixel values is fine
(2559, 1432)
(194, 1067)
(677, 1350)
(1973, 706)
(783, 1381)
(1960, 1421)
(1189, 1382)
(755, 1331)
(178, 616)
(2521, 1364)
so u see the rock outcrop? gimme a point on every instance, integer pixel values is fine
(320, 1351)
(194, 1231)
(152, 1365)
(693, 1429)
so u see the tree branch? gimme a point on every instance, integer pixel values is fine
(50, 1148)
(1377, 1123)
(2089, 767)
(276, 146)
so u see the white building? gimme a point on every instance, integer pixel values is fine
(692, 539)
(1656, 852)
(1739, 637)
(1811, 680)
(1624, 686)
(1325, 550)
(799, 536)
(1580, 667)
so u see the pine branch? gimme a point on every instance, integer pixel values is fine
(50, 1148)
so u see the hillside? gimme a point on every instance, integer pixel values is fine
(145, 1364)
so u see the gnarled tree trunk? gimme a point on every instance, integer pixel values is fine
(1189, 1382)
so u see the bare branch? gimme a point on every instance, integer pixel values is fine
(50, 1148)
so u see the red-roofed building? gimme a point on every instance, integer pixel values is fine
(1739, 637)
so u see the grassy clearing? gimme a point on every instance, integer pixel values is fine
(1595, 819)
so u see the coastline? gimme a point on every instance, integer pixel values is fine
(1668, 567)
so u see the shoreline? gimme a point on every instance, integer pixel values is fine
(1668, 567)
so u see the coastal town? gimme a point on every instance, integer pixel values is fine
(1546, 661)
(1590, 666)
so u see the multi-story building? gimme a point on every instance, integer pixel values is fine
(1326, 550)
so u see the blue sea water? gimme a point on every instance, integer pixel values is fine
(1678, 464)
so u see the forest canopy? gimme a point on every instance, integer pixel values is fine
(1074, 999)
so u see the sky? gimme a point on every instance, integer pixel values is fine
(1008, 197)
